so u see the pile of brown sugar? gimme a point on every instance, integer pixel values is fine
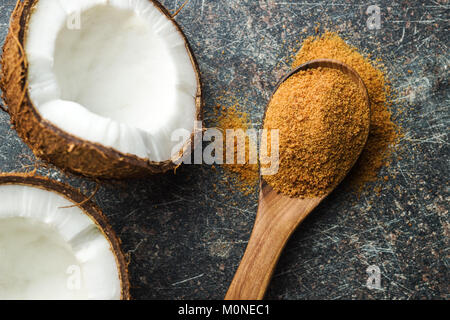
(383, 135)
(323, 122)
(383, 132)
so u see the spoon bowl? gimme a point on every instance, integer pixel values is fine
(278, 215)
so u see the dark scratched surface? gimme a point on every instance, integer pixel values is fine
(185, 238)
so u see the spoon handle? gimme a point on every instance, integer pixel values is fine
(277, 218)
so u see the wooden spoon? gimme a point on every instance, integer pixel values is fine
(278, 216)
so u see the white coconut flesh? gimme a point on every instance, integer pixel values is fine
(50, 252)
(113, 72)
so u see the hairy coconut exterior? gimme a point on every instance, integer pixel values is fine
(55, 145)
(88, 207)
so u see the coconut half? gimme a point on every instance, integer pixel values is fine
(52, 249)
(98, 87)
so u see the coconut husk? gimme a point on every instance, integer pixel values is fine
(87, 206)
(53, 144)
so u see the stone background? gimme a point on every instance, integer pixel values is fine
(185, 238)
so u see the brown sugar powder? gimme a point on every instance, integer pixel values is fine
(323, 120)
(383, 134)
(245, 176)
(383, 131)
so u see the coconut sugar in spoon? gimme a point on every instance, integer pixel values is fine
(278, 216)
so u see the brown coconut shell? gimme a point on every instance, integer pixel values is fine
(88, 207)
(53, 144)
